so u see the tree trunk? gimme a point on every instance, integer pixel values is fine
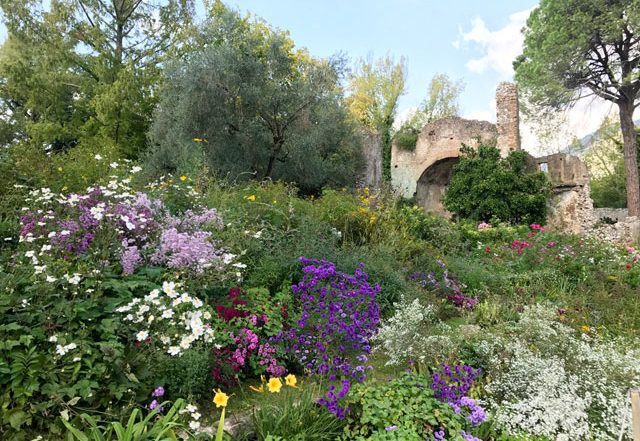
(630, 157)
(277, 147)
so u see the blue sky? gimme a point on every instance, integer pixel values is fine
(470, 40)
(435, 37)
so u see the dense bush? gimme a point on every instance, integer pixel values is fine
(485, 186)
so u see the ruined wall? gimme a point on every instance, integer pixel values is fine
(507, 118)
(570, 208)
(616, 214)
(372, 155)
(437, 141)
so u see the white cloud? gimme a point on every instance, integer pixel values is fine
(498, 48)
(489, 114)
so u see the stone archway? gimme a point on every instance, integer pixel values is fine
(433, 183)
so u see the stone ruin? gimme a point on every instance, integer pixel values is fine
(424, 173)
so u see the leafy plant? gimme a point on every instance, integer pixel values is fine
(484, 186)
(138, 427)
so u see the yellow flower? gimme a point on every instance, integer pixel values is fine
(59, 169)
(199, 140)
(220, 399)
(291, 380)
(257, 389)
(183, 178)
(585, 328)
(251, 197)
(274, 385)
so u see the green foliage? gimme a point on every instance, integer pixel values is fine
(37, 319)
(485, 186)
(573, 46)
(442, 101)
(85, 72)
(375, 87)
(250, 105)
(293, 415)
(407, 403)
(137, 428)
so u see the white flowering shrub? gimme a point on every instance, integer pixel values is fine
(414, 334)
(547, 380)
(170, 320)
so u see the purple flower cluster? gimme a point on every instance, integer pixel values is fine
(452, 384)
(426, 280)
(157, 393)
(468, 437)
(339, 317)
(66, 226)
(450, 283)
(186, 250)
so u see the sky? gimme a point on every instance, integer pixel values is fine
(474, 41)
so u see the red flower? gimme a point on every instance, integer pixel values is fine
(488, 249)
(629, 266)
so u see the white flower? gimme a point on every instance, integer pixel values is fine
(98, 157)
(51, 279)
(165, 340)
(60, 350)
(76, 359)
(74, 280)
(169, 289)
(167, 313)
(174, 350)
(136, 169)
(114, 165)
(206, 315)
(70, 346)
(142, 335)
(239, 265)
(196, 415)
(65, 233)
(197, 303)
(53, 339)
(30, 254)
(194, 425)
(227, 258)
(45, 247)
(52, 234)
(39, 269)
(191, 408)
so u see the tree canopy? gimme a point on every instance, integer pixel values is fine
(375, 86)
(86, 70)
(256, 107)
(441, 101)
(579, 48)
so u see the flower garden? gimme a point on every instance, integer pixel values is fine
(188, 308)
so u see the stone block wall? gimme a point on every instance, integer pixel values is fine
(372, 154)
(507, 118)
(616, 214)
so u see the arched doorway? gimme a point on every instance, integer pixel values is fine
(433, 183)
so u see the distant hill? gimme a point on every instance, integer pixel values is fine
(585, 143)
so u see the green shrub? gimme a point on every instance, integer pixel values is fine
(152, 427)
(485, 186)
(294, 415)
(402, 409)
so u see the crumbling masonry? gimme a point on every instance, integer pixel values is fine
(425, 172)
